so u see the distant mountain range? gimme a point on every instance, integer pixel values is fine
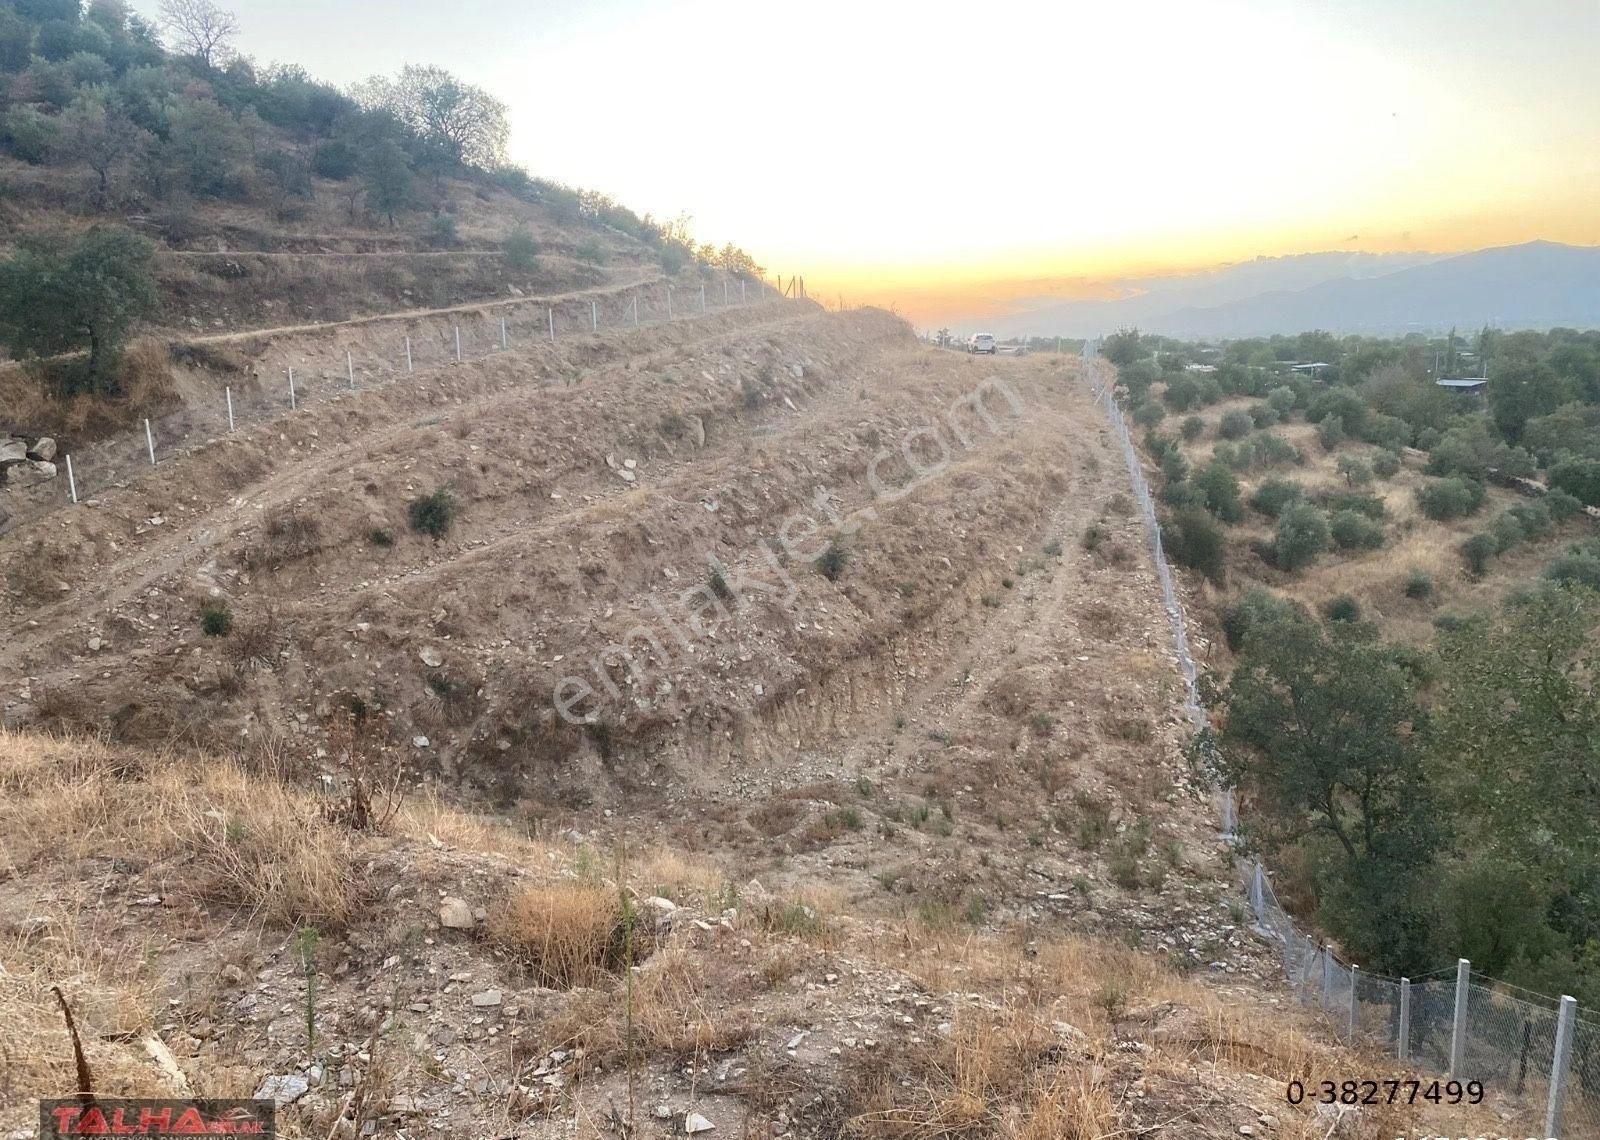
(1536, 285)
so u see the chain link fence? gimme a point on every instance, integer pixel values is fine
(1537, 1060)
(369, 353)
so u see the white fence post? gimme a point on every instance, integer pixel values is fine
(1355, 973)
(1458, 1030)
(229, 392)
(594, 317)
(1558, 1066)
(552, 312)
(636, 310)
(350, 368)
(1404, 1034)
(724, 292)
(150, 441)
(502, 332)
(702, 296)
(292, 404)
(408, 354)
(72, 480)
(1327, 976)
(458, 344)
(669, 302)
(742, 299)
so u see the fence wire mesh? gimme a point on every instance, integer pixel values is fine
(363, 354)
(1509, 1042)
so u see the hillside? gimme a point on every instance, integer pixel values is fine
(1535, 285)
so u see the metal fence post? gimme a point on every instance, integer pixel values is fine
(1404, 1034)
(150, 441)
(724, 292)
(1558, 1066)
(594, 317)
(743, 300)
(292, 404)
(350, 368)
(1327, 976)
(229, 393)
(636, 310)
(502, 332)
(1355, 974)
(408, 354)
(458, 344)
(1458, 1031)
(702, 296)
(669, 302)
(552, 311)
(72, 480)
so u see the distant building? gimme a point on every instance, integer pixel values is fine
(1468, 385)
(1206, 369)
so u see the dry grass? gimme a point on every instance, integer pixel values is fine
(231, 836)
(565, 934)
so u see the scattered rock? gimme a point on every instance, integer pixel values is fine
(44, 450)
(456, 914)
(431, 657)
(487, 999)
(13, 451)
(284, 1089)
(694, 1122)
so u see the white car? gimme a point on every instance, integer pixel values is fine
(981, 342)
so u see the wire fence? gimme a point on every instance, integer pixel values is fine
(1533, 1055)
(364, 354)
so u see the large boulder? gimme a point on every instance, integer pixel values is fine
(13, 451)
(44, 449)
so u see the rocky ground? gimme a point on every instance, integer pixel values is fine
(784, 739)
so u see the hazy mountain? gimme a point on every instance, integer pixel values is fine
(1538, 284)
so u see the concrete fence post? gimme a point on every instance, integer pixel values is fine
(636, 310)
(552, 311)
(229, 393)
(502, 332)
(292, 404)
(594, 317)
(72, 480)
(350, 368)
(150, 442)
(458, 344)
(1458, 1029)
(1355, 975)
(1403, 1049)
(408, 354)
(1559, 1065)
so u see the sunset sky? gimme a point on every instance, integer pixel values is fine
(915, 153)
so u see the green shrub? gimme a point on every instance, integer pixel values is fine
(1263, 415)
(1386, 464)
(1563, 506)
(1182, 494)
(1353, 531)
(1274, 494)
(1362, 504)
(1282, 400)
(1578, 566)
(1174, 467)
(1419, 585)
(1093, 535)
(1579, 478)
(1387, 432)
(1476, 552)
(1330, 432)
(520, 250)
(1220, 492)
(1192, 538)
(1257, 608)
(1451, 498)
(1270, 448)
(1148, 413)
(1343, 608)
(377, 536)
(590, 252)
(1341, 404)
(1301, 536)
(1235, 424)
(1355, 470)
(831, 562)
(1507, 532)
(441, 231)
(215, 620)
(432, 514)
(1193, 427)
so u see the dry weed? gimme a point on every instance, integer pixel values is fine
(565, 934)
